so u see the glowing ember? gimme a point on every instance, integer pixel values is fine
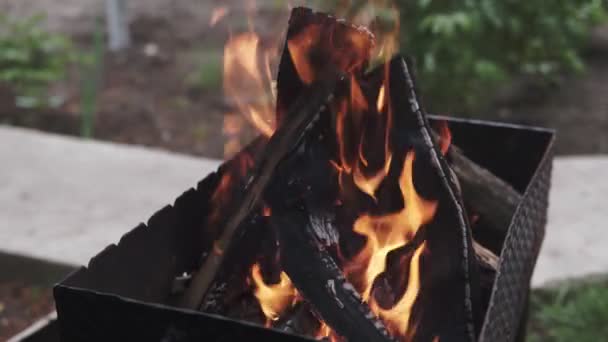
(274, 299)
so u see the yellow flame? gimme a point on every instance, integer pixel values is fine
(397, 318)
(380, 101)
(369, 184)
(246, 83)
(384, 234)
(274, 299)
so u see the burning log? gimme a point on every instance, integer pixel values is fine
(299, 320)
(321, 40)
(304, 111)
(453, 300)
(319, 279)
(410, 132)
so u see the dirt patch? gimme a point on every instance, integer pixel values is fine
(158, 93)
(22, 305)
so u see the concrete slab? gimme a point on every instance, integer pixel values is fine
(576, 243)
(65, 199)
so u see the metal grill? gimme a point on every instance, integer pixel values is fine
(123, 294)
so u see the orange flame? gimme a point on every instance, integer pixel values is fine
(397, 319)
(218, 14)
(299, 48)
(358, 102)
(380, 101)
(387, 233)
(326, 332)
(445, 137)
(274, 299)
(369, 184)
(247, 83)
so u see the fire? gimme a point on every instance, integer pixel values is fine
(445, 137)
(299, 48)
(397, 318)
(380, 101)
(369, 184)
(248, 84)
(274, 299)
(358, 102)
(218, 14)
(385, 234)
(325, 332)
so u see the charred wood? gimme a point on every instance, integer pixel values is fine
(298, 320)
(302, 113)
(493, 199)
(333, 42)
(320, 281)
(453, 300)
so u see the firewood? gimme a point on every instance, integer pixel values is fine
(303, 112)
(289, 85)
(453, 300)
(321, 282)
(298, 320)
(333, 44)
(485, 257)
(493, 199)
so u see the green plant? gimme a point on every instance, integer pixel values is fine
(31, 59)
(465, 49)
(570, 313)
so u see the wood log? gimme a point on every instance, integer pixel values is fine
(298, 320)
(485, 257)
(303, 112)
(332, 42)
(493, 199)
(450, 308)
(290, 86)
(320, 281)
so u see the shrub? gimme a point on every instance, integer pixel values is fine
(31, 59)
(465, 49)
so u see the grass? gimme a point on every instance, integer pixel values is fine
(571, 312)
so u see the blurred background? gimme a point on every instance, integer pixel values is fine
(150, 73)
